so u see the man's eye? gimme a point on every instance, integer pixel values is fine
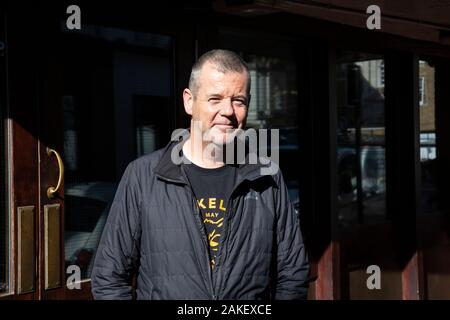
(239, 102)
(214, 100)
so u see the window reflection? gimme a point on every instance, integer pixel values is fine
(274, 93)
(115, 109)
(150, 118)
(428, 152)
(361, 138)
(274, 104)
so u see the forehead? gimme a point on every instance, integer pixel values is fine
(212, 80)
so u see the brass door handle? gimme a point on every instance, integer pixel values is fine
(51, 190)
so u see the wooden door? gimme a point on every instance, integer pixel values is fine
(83, 104)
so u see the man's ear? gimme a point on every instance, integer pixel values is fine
(188, 100)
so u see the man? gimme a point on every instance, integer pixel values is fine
(202, 228)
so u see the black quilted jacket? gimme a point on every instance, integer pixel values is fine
(154, 229)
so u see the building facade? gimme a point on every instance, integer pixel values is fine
(363, 117)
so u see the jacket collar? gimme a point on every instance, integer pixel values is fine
(167, 170)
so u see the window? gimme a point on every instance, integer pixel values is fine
(381, 77)
(428, 150)
(274, 94)
(151, 123)
(361, 138)
(273, 104)
(422, 91)
(427, 146)
(115, 102)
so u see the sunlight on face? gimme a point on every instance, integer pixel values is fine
(220, 104)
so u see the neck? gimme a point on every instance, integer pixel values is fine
(201, 154)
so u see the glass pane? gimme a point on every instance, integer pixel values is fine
(433, 219)
(273, 104)
(274, 94)
(428, 155)
(361, 138)
(115, 108)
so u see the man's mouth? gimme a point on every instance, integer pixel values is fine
(224, 126)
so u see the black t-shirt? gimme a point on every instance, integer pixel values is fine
(212, 189)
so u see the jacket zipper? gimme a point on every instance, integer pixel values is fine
(197, 214)
(224, 248)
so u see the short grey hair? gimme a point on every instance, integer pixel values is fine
(224, 60)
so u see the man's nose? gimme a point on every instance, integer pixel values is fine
(227, 108)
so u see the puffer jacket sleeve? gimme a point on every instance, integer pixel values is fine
(292, 264)
(118, 252)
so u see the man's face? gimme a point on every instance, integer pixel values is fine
(220, 104)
